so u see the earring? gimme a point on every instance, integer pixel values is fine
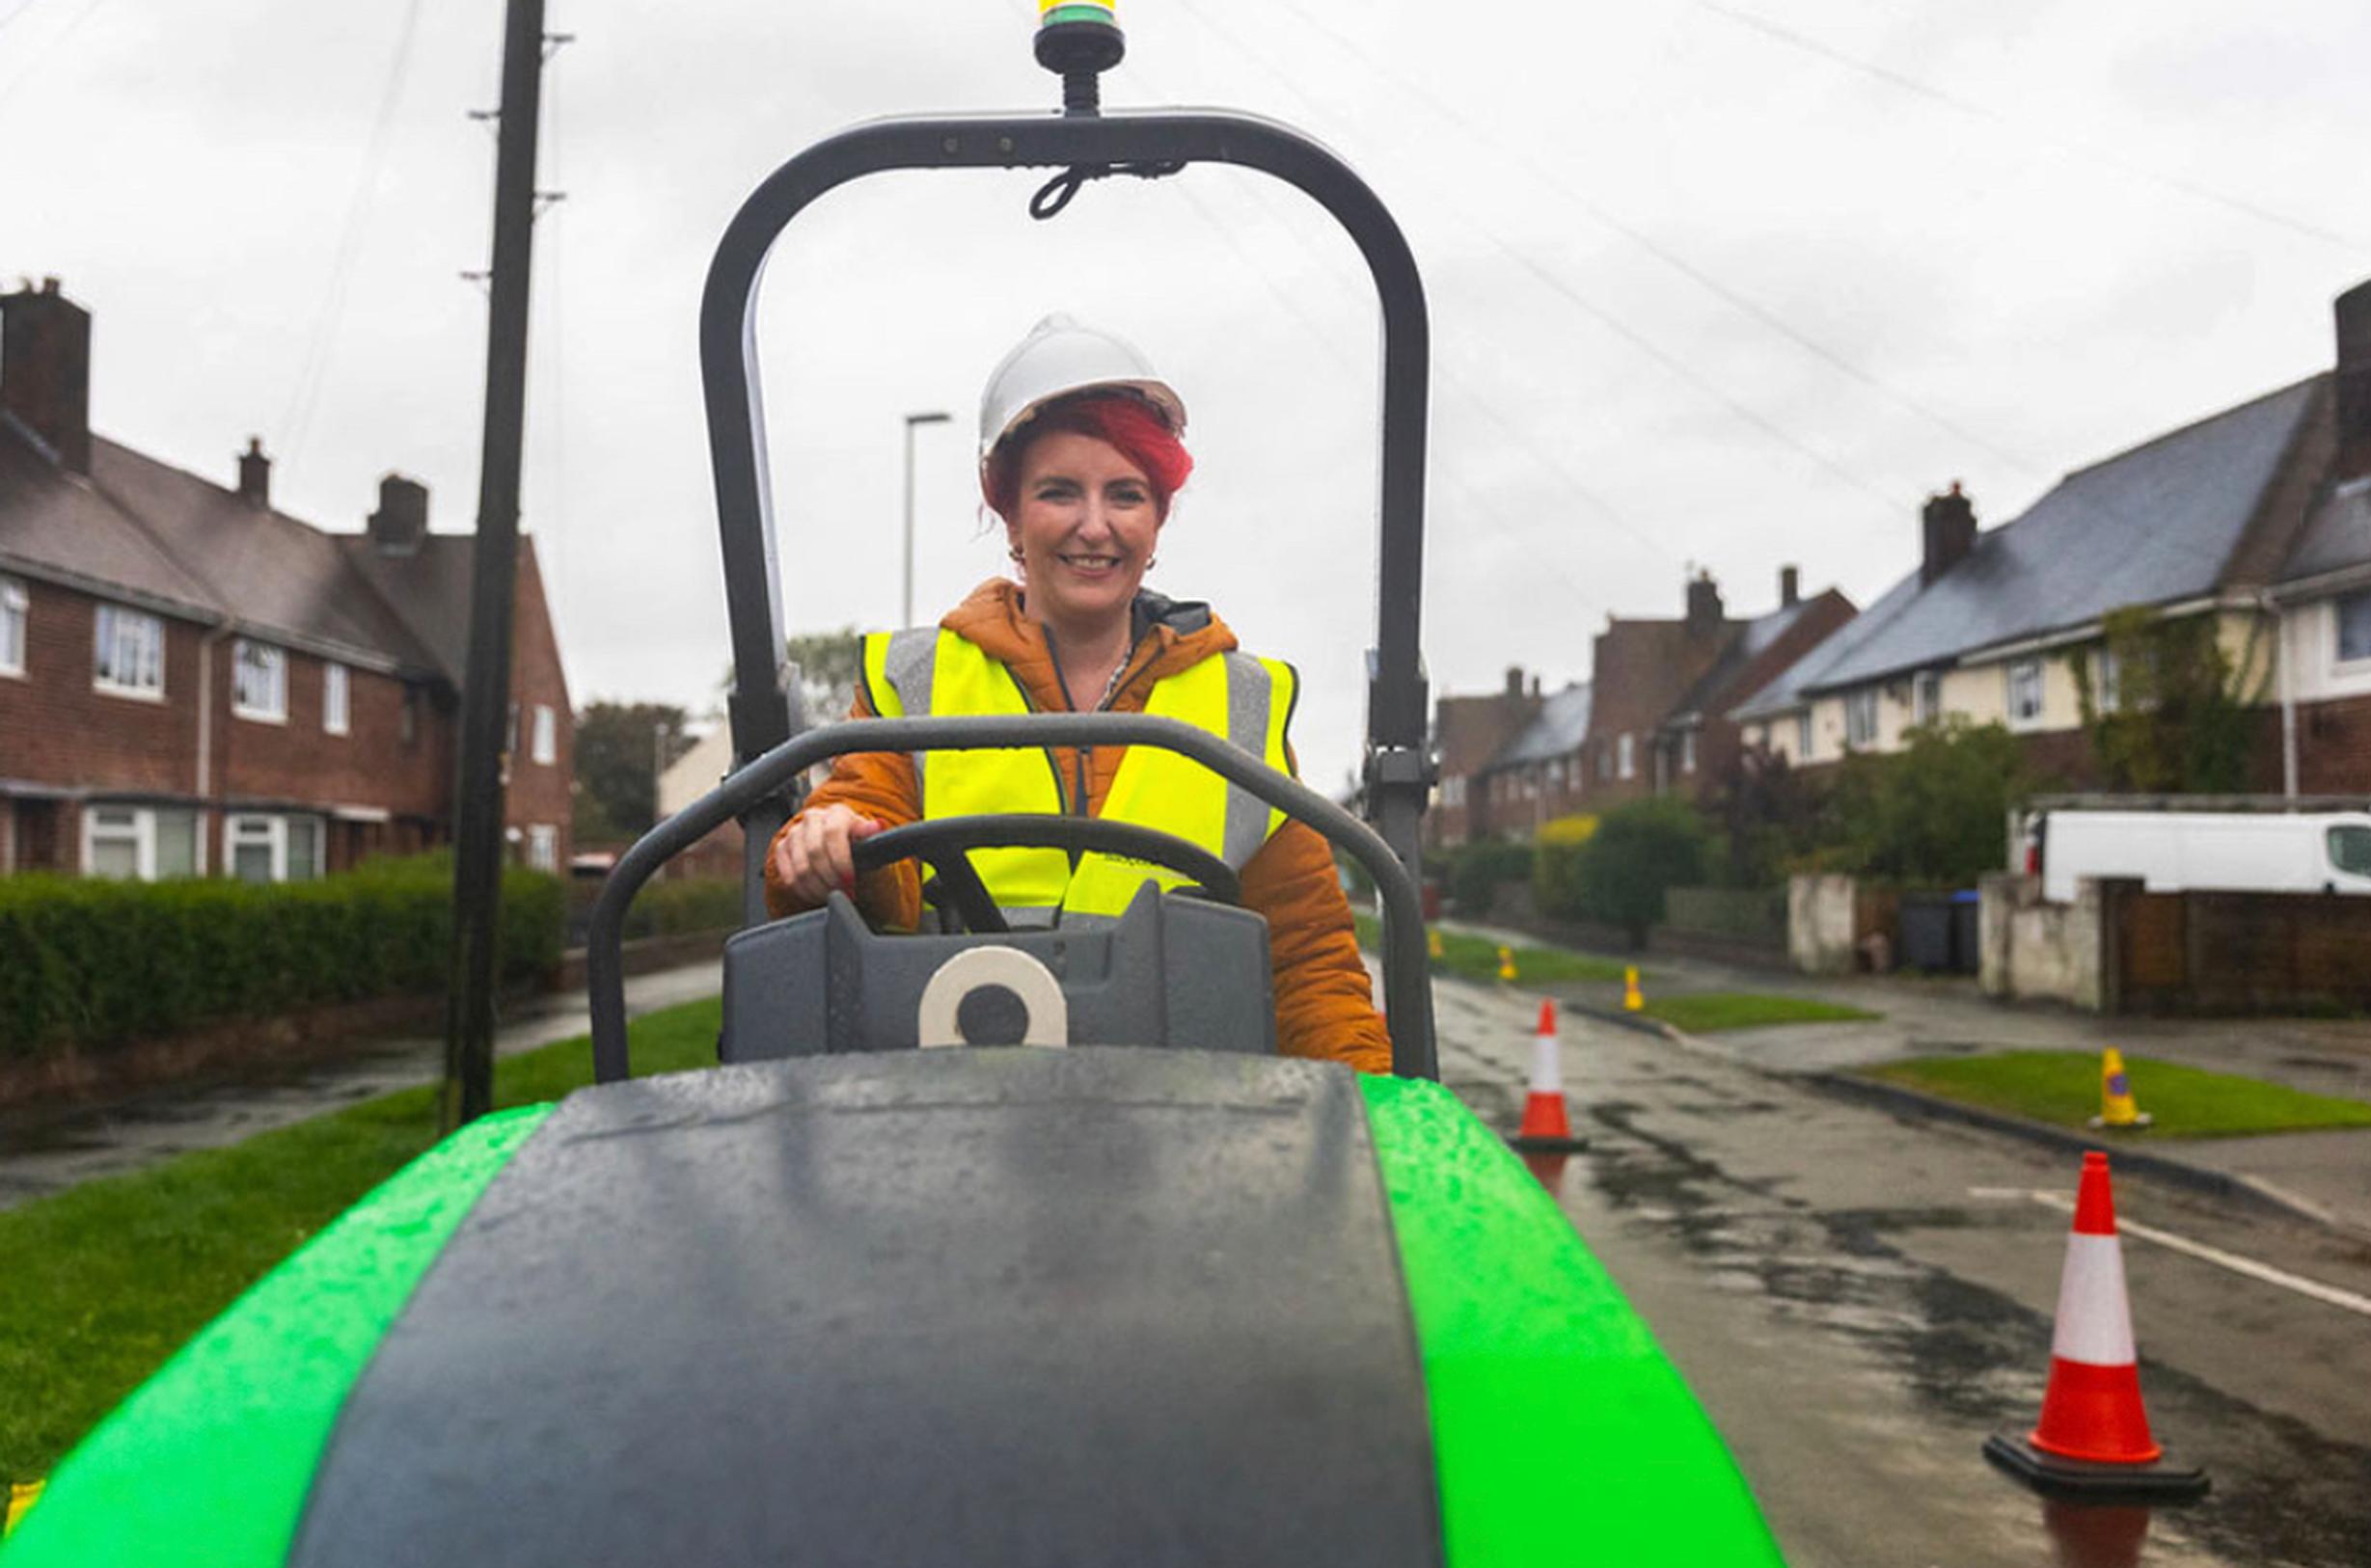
(1151, 561)
(1014, 553)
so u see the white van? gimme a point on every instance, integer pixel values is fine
(2174, 851)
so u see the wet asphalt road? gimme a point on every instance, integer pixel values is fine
(1859, 1299)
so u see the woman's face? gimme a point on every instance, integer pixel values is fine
(1086, 524)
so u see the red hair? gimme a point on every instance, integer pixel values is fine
(1133, 426)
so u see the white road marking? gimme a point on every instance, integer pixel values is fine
(2249, 1266)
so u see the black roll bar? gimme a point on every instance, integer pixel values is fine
(762, 704)
(1407, 992)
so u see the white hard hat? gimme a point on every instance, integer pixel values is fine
(1060, 356)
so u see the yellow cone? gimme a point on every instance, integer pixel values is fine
(23, 1495)
(1434, 946)
(2116, 1106)
(1631, 1000)
(1506, 963)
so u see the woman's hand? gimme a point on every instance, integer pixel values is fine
(818, 853)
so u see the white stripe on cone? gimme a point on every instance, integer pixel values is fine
(2094, 1323)
(1547, 1072)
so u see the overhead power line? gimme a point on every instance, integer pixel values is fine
(1793, 40)
(1554, 178)
(1466, 390)
(314, 371)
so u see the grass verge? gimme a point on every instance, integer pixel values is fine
(1476, 958)
(107, 1279)
(2063, 1088)
(1705, 1013)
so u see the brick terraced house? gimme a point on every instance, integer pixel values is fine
(194, 683)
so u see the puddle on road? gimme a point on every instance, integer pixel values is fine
(2282, 1493)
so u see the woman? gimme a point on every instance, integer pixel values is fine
(1080, 457)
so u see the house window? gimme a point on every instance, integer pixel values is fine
(272, 848)
(1626, 756)
(1803, 736)
(543, 845)
(128, 653)
(1927, 697)
(259, 681)
(335, 699)
(138, 843)
(2353, 614)
(1556, 774)
(1687, 751)
(2025, 691)
(2107, 685)
(547, 736)
(13, 613)
(1861, 717)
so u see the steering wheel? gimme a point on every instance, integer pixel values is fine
(941, 844)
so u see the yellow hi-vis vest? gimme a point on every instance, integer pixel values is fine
(1234, 696)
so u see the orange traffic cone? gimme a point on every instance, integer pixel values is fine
(2092, 1442)
(1546, 1129)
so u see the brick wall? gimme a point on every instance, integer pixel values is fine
(58, 731)
(2333, 746)
(538, 792)
(57, 728)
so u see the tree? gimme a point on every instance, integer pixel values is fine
(829, 664)
(1770, 816)
(1936, 811)
(1638, 851)
(621, 750)
(2178, 723)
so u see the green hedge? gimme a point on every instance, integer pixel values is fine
(89, 962)
(1474, 873)
(684, 905)
(1619, 875)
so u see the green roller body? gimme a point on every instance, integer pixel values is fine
(993, 1306)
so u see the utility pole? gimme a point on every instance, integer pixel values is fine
(477, 794)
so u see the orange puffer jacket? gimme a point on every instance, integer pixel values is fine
(1324, 1001)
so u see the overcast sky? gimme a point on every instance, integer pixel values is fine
(1732, 284)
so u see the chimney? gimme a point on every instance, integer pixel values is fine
(1514, 680)
(1949, 520)
(401, 520)
(255, 473)
(1704, 608)
(1534, 687)
(2354, 312)
(45, 369)
(1790, 588)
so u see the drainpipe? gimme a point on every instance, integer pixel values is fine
(205, 731)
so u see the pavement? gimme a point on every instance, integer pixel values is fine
(41, 1155)
(2322, 1177)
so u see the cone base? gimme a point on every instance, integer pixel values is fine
(2140, 1119)
(2085, 1480)
(1538, 1143)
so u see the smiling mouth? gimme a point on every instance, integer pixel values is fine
(1089, 563)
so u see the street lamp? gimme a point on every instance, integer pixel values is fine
(904, 614)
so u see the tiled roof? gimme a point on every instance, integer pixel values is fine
(429, 590)
(270, 572)
(1750, 643)
(158, 535)
(61, 523)
(2155, 525)
(1558, 731)
(2337, 537)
